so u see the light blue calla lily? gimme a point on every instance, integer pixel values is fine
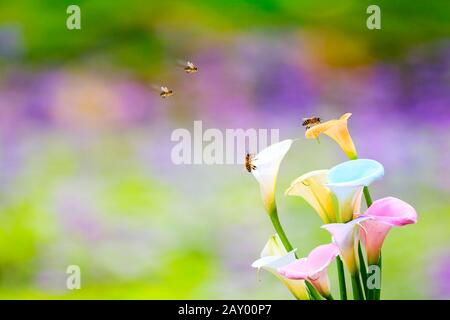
(347, 180)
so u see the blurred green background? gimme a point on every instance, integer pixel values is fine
(86, 176)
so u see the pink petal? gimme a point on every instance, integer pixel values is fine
(392, 211)
(313, 268)
(373, 234)
(321, 257)
(384, 213)
(296, 270)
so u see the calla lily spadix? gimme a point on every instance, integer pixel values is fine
(384, 214)
(347, 180)
(266, 166)
(275, 256)
(337, 130)
(313, 268)
(312, 187)
(346, 237)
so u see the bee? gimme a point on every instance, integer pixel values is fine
(165, 92)
(249, 158)
(310, 122)
(190, 67)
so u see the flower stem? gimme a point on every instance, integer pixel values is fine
(362, 266)
(329, 297)
(341, 275)
(358, 293)
(374, 293)
(367, 196)
(287, 245)
(313, 292)
(377, 292)
(279, 229)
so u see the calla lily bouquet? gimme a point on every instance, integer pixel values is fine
(335, 194)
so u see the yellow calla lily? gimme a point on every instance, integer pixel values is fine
(337, 130)
(312, 187)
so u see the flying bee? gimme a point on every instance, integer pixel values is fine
(190, 67)
(249, 158)
(165, 92)
(310, 122)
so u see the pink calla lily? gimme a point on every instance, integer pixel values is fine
(384, 214)
(313, 268)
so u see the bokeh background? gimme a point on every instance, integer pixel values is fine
(86, 176)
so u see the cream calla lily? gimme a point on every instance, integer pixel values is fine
(267, 163)
(312, 187)
(337, 130)
(273, 257)
(346, 237)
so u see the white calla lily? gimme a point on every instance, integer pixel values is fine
(275, 256)
(266, 166)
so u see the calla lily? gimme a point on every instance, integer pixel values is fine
(347, 180)
(313, 268)
(337, 130)
(346, 237)
(384, 214)
(273, 257)
(266, 165)
(312, 187)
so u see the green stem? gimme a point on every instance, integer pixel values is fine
(313, 292)
(367, 196)
(358, 293)
(377, 292)
(341, 275)
(287, 245)
(374, 293)
(362, 265)
(279, 229)
(329, 297)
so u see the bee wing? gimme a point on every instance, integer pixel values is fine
(164, 89)
(190, 64)
(182, 63)
(156, 87)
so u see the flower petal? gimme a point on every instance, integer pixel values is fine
(314, 268)
(320, 258)
(360, 172)
(267, 163)
(384, 214)
(295, 270)
(312, 187)
(344, 235)
(346, 181)
(373, 233)
(273, 262)
(337, 130)
(274, 247)
(392, 211)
